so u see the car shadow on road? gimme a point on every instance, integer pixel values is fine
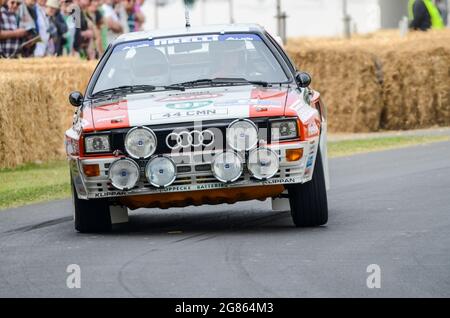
(157, 222)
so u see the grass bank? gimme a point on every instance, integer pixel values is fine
(34, 183)
(352, 147)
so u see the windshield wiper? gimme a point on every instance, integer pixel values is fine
(241, 80)
(133, 89)
(203, 81)
(222, 81)
(125, 89)
(175, 87)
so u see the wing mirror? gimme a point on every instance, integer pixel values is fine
(303, 79)
(76, 99)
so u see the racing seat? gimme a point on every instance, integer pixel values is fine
(149, 66)
(228, 59)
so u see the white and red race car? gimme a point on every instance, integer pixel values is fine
(192, 116)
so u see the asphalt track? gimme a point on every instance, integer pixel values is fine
(389, 208)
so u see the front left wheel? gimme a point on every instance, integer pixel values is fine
(91, 215)
(309, 204)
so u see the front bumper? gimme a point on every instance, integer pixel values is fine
(193, 180)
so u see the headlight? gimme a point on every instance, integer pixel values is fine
(227, 167)
(263, 163)
(242, 135)
(98, 143)
(286, 129)
(124, 174)
(161, 171)
(140, 142)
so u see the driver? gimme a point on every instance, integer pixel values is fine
(228, 59)
(149, 66)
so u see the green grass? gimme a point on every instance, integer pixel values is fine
(352, 147)
(33, 183)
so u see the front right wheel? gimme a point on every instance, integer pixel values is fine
(91, 215)
(308, 201)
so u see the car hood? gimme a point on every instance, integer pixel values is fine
(191, 105)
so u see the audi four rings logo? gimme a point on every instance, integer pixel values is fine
(186, 139)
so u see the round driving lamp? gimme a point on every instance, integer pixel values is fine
(263, 163)
(227, 167)
(124, 174)
(161, 171)
(140, 142)
(242, 135)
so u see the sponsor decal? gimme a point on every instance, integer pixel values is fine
(139, 112)
(239, 37)
(205, 38)
(194, 187)
(307, 171)
(84, 122)
(313, 129)
(187, 39)
(110, 194)
(306, 113)
(189, 105)
(268, 103)
(209, 186)
(310, 161)
(115, 118)
(249, 101)
(188, 97)
(233, 102)
(279, 181)
(132, 46)
(190, 113)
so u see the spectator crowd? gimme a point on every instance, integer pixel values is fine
(36, 28)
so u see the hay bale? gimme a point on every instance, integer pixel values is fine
(30, 129)
(34, 107)
(348, 82)
(371, 82)
(409, 76)
(416, 87)
(62, 77)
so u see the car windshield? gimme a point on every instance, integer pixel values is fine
(176, 60)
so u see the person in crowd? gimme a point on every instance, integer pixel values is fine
(53, 27)
(84, 34)
(69, 37)
(443, 10)
(95, 21)
(57, 26)
(10, 34)
(113, 17)
(135, 17)
(119, 7)
(424, 15)
(43, 26)
(27, 17)
(137, 8)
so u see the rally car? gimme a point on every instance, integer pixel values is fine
(193, 116)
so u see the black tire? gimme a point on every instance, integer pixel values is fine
(309, 204)
(91, 215)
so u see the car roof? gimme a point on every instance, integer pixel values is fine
(216, 28)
